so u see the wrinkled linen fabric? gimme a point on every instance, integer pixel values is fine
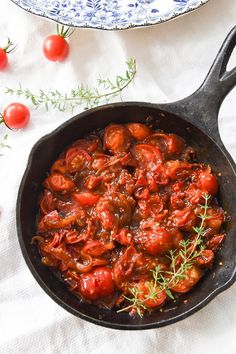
(172, 61)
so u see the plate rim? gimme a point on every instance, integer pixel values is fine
(172, 16)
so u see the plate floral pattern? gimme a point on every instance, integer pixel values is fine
(109, 14)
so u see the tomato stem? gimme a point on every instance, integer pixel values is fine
(10, 47)
(64, 31)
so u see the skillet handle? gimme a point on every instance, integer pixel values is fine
(202, 107)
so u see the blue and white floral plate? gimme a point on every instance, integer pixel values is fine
(109, 14)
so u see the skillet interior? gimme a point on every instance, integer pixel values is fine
(48, 149)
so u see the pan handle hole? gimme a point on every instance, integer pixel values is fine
(232, 61)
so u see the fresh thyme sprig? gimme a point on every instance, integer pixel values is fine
(82, 95)
(164, 279)
(139, 298)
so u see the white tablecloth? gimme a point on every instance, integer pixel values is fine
(172, 60)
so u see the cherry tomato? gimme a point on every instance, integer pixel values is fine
(3, 59)
(147, 155)
(99, 160)
(16, 116)
(97, 284)
(192, 276)
(177, 169)
(117, 138)
(76, 159)
(185, 219)
(215, 218)
(105, 214)
(175, 144)
(205, 259)
(215, 242)
(155, 242)
(208, 182)
(168, 143)
(144, 293)
(194, 194)
(59, 183)
(86, 198)
(4, 54)
(138, 131)
(177, 237)
(55, 48)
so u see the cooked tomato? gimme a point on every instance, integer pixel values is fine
(86, 198)
(191, 277)
(177, 169)
(215, 242)
(208, 182)
(151, 295)
(117, 138)
(138, 131)
(155, 242)
(215, 218)
(59, 183)
(184, 219)
(167, 143)
(206, 258)
(121, 218)
(147, 155)
(97, 284)
(77, 159)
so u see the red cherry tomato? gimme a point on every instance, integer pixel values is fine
(3, 59)
(208, 182)
(215, 242)
(106, 214)
(59, 183)
(4, 54)
(138, 131)
(77, 159)
(144, 293)
(86, 198)
(55, 48)
(185, 219)
(97, 284)
(155, 242)
(16, 116)
(192, 276)
(117, 138)
(205, 259)
(215, 218)
(177, 169)
(147, 155)
(168, 143)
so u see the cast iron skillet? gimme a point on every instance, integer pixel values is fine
(195, 118)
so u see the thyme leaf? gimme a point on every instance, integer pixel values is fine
(82, 95)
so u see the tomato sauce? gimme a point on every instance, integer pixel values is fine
(117, 205)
